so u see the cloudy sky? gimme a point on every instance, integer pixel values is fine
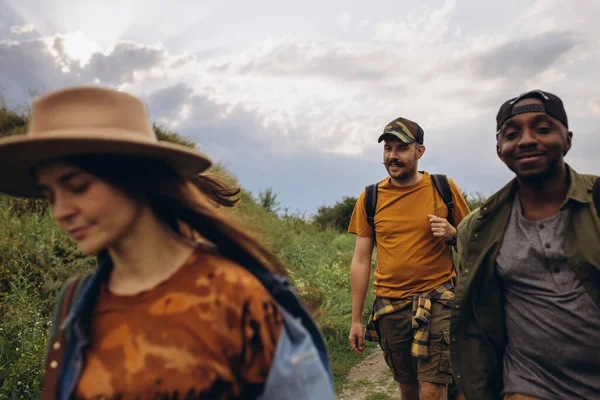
(293, 95)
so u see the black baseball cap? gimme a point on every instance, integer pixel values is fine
(552, 106)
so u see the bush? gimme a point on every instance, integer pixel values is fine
(35, 259)
(337, 216)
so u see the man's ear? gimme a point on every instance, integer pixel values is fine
(498, 151)
(420, 150)
(568, 143)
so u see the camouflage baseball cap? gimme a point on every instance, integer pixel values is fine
(403, 129)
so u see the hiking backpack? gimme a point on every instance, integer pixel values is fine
(440, 182)
(596, 195)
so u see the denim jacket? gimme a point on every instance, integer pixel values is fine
(299, 370)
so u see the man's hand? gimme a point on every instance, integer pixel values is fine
(441, 228)
(357, 343)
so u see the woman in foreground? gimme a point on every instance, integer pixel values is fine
(163, 316)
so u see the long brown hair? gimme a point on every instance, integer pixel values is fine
(213, 184)
(177, 200)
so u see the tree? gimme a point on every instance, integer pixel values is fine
(268, 200)
(336, 216)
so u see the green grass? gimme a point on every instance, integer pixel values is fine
(378, 396)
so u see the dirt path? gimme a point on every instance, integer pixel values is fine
(371, 380)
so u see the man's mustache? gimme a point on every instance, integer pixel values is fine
(394, 162)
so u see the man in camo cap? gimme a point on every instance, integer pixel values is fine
(407, 217)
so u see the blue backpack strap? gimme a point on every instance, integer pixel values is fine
(596, 195)
(283, 293)
(297, 371)
(371, 203)
(58, 337)
(442, 185)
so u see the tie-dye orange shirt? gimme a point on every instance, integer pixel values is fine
(209, 331)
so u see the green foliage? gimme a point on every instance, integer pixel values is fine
(172, 137)
(337, 216)
(268, 200)
(35, 259)
(474, 201)
(11, 123)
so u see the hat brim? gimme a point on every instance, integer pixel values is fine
(399, 135)
(20, 153)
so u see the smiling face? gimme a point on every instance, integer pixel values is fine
(533, 144)
(400, 159)
(94, 213)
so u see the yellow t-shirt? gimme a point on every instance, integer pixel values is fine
(209, 331)
(410, 260)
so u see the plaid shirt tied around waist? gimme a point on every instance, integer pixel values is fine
(421, 311)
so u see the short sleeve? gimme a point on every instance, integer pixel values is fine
(358, 222)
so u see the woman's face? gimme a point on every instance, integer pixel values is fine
(95, 213)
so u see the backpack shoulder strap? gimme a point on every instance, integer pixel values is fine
(443, 187)
(66, 298)
(371, 203)
(596, 195)
(288, 299)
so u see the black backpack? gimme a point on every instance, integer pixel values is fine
(596, 195)
(439, 181)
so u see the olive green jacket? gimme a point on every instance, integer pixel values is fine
(477, 331)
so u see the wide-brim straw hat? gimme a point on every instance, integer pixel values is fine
(86, 120)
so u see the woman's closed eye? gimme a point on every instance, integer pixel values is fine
(80, 188)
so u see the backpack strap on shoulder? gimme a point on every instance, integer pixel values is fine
(58, 342)
(371, 203)
(596, 195)
(442, 185)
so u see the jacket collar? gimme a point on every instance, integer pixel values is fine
(578, 192)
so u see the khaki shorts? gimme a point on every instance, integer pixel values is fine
(396, 337)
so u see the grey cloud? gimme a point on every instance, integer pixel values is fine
(119, 65)
(9, 20)
(526, 57)
(311, 59)
(167, 102)
(29, 66)
(215, 125)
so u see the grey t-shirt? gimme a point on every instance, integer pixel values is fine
(552, 324)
